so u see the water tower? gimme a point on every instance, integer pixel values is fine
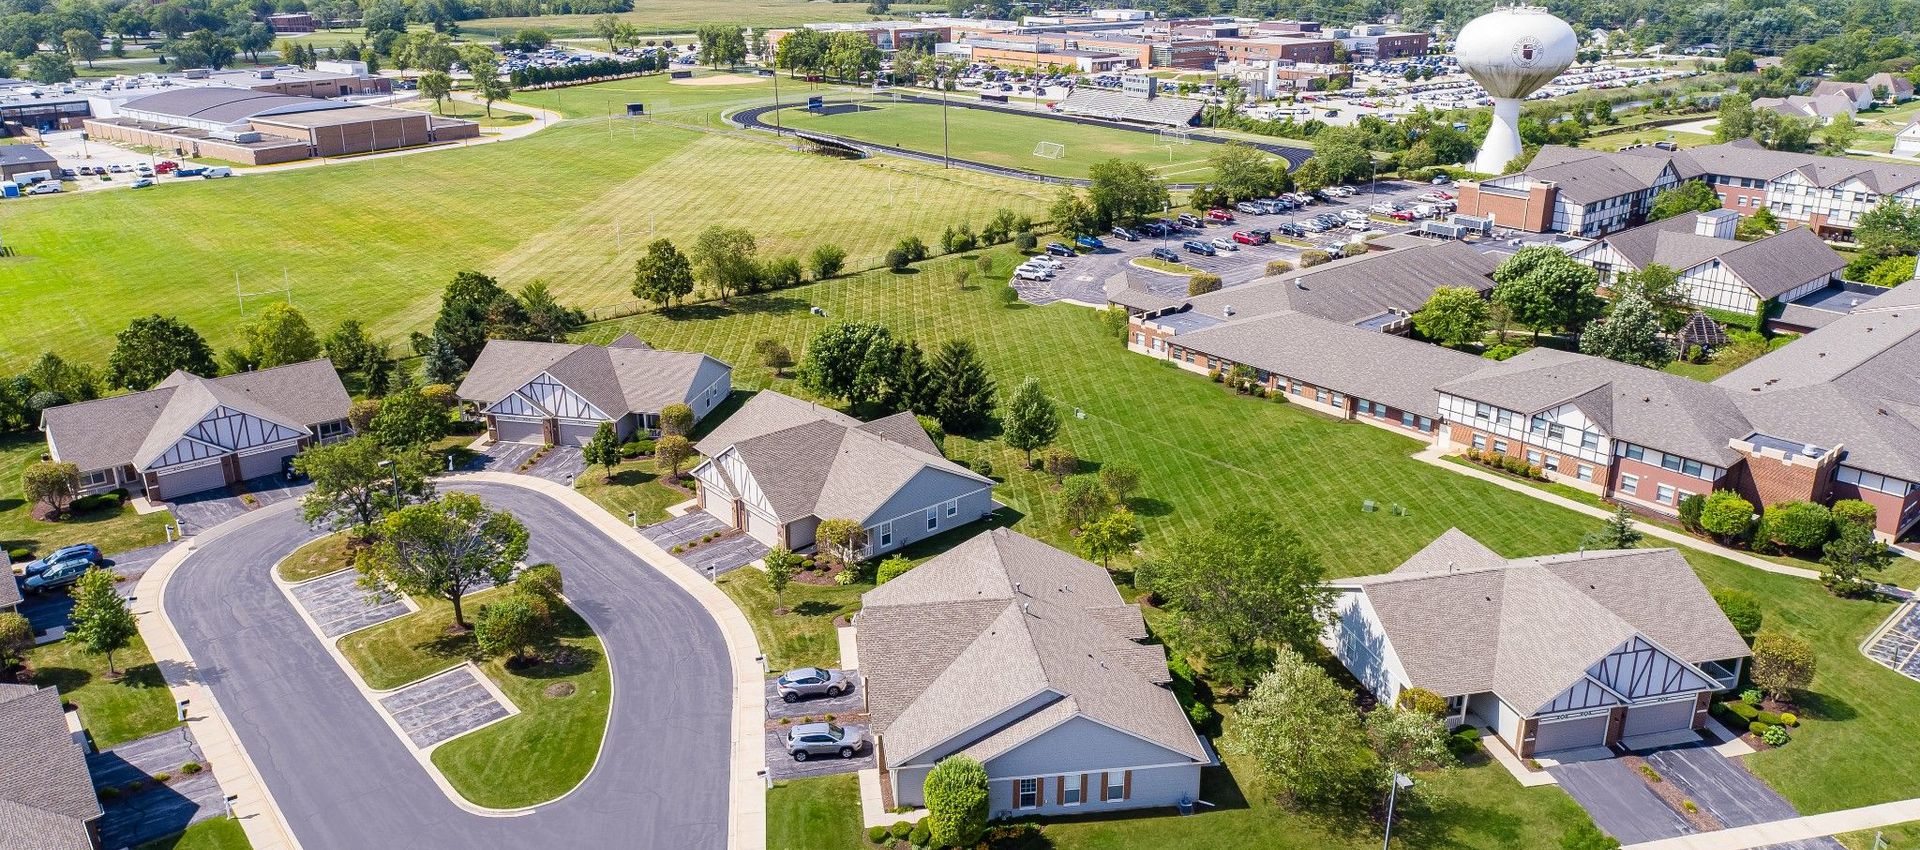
(1511, 53)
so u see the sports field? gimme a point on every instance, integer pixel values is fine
(670, 17)
(377, 239)
(999, 138)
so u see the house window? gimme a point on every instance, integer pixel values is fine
(1070, 791)
(97, 477)
(1556, 431)
(1538, 425)
(953, 507)
(329, 430)
(1500, 446)
(933, 518)
(1426, 424)
(1029, 794)
(1583, 472)
(1482, 411)
(1691, 467)
(1406, 419)
(1553, 463)
(1635, 452)
(1293, 388)
(1664, 495)
(1479, 442)
(1629, 483)
(1589, 440)
(1505, 418)
(1117, 786)
(886, 534)
(1339, 400)
(1365, 407)
(1320, 395)
(1668, 461)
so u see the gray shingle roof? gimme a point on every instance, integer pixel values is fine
(1527, 629)
(1585, 177)
(25, 155)
(1632, 403)
(1369, 364)
(1355, 288)
(999, 621)
(46, 795)
(766, 412)
(109, 432)
(1770, 266)
(625, 377)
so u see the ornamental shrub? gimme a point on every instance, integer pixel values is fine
(1799, 524)
(956, 792)
(1775, 736)
(1758, 728)
(1314, 257)
(893, 568)
(1752, 696)
(878, 835)
(1769, 718)
(900, 829)
(1788, 718)
(1690, 508)
(1726, 516)
(920, 836)
(1743, 711)
(191, 768)
(1856, 512)
(1422, 700)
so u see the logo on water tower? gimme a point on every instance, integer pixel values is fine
(1526, 52)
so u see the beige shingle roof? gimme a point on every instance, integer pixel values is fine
(766, 412)
(1004, 622)
(1527, 629)
(624, 377)
(46, 795)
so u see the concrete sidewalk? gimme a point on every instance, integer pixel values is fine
(1437, 457)
(1792, 829)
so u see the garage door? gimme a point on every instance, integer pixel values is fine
(575, 434)
(762, 529)
(265, 463)
(187, 482)
(1665, 717)
(518, 431)
(1570, 734)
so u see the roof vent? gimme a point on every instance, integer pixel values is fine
(1226, 309)
(1299, 284)
(1026, 608)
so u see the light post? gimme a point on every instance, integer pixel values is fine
(777, 130)
(388, 465)
(946, 155)
(1400, 780)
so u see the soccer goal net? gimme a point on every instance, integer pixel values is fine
(1050, 150)
(1175, 137)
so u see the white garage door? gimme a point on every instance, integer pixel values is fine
(575, 434)
(762, 529)
(1665, 717)
(1570, 734)
(187, 482)
(518, 431)
(264, 463)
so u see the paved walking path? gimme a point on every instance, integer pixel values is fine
(1791, 829)
(1437, 457)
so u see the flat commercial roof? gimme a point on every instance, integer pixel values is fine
(331, 117)
(223, 105)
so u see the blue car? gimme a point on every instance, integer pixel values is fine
(84, 552)
(1196, 246)
(1091, 243)
(61, 575)
(1166, 254)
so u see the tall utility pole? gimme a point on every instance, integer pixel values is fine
(777, 129)
(946, 155)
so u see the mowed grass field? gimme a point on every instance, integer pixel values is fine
(998, 138)
(378, 239)
(680, 16)
(1205, 452)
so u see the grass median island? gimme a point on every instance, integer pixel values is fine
(329, 554)
(116, 711)
(113, 530)
(210, 834)
(526, 759)
(1159, 265)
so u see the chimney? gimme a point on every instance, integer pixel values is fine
(1719, 224)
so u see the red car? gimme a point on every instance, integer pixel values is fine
(1219, 215)
(1245, 238)
(1445, 196)
(1403, 215)
(165, 166)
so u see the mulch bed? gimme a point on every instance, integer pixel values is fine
(821, 577)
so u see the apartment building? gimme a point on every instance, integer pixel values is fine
(1574, 191)
(1717, 270)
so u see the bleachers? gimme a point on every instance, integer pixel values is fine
(1114, 106)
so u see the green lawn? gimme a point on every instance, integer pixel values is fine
(530, 758)
(573, 205)
(212, 834)
(814, 814)
(1900, 836)
(327, 555)
(673, 17)
(1201, 447)
(999, 138)
(635, 488)
(501, 117)
(135, 706)
(804, 636)
(113, 530)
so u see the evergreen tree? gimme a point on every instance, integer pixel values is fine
(962, 392)
(443, 365)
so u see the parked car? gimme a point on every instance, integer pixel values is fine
(165, 166)
(47, 188)
(68, 174)
(1189, 220)
(1091, 243)
(1154, 229)
(77, 552)
(1166, 254)
(1060, 249)
(218, 172)
(1402, 215)
(1195, 246)
(60, 575)
(1046, 261)
(1250, 208)
(143, 183)
(1222, 243)
(1247, 237)
(189, 170)
(1219, 215)
(1032, 273)
(1315, 226)
(1359, 225)
(825, 739)
(1441, 180)
(811, 681)
(1123, 233)
(1340, 191)
(1353, 215)
(1382, 208)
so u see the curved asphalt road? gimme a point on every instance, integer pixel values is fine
(344, 780)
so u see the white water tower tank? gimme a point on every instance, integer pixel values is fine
(1512, 52)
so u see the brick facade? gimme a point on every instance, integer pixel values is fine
(1645, 480)
(1532, 212)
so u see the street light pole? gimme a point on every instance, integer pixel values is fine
(388, 465)
(777, 129)
(1400, 780)
(946, 154)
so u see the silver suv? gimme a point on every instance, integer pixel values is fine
(811, 681)
(821, 739)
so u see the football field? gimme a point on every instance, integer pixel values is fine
(999, 138)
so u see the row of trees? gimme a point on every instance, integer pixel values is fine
(725, 260)
(1842, 535)
(848, 56)
(870, 368)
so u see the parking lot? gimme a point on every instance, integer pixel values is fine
(1083, 278)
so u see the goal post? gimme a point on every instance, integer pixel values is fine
(1050, 150)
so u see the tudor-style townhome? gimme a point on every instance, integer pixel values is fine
(1551, 654)
(1715, 269)
(191, 434)
(559, 394)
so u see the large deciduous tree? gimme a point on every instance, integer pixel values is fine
(1124, 192)
(1031, 420)
(408, 419)
(1453, 316)
(1300, 730)
(51, 483)
(152, 347)
(1690, 196)
(278, 336)
(1630, 334)
(101, 621)
(445, 547)
(856, 361)
(351, 487)
(1242, 587)
(1545, 289)
(723, 258)
(662, 275)
(1112, 534)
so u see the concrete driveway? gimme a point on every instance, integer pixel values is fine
(780, 763)
(560, 464)
(714, 557)
(1618, 801)
(201, 511)
(346, 782)
(1722, 787)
